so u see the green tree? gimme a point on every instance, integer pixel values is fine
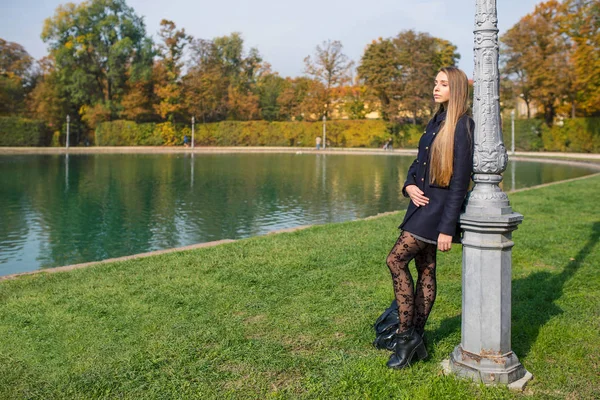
(400, 71)
(331, 68)
(16, 78)
(420, 56)
(269, 87)
(94, 44)
(379, 71)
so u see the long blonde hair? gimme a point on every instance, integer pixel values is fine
(442, 150)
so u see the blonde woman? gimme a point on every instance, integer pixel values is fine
(437, 184)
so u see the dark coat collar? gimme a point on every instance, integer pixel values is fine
(439, 117)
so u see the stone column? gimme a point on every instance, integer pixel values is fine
(484, 353)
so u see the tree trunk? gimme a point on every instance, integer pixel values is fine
(549, 113)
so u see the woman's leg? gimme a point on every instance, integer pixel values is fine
(405, 249)
(426, 286)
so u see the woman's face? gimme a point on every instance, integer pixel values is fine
(441, 90)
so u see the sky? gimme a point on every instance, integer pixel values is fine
(286, 32)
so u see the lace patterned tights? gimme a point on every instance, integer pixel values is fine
(414, 303)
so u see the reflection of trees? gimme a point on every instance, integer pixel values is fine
(13, 223)
(531, 173)
(126, 204)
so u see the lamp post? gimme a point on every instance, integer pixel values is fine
(484, 353)
(68, 121)
(193, 122)
(512, 124)
(324, 132)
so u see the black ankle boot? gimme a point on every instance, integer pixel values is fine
(408, 349)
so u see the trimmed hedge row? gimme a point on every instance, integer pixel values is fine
(572, 135)
(129, 133)
(577, 135)
(17, 131)
(342, 133)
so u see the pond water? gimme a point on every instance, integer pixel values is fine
(59, 210)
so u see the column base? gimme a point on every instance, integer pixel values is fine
(502, 369)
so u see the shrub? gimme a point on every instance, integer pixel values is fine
(341, 133)
(17, 131)
(580, 135)
(577, 135)
(528, 134)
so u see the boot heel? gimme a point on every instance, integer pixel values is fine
(421, 351)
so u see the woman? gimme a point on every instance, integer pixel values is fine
(437, 184)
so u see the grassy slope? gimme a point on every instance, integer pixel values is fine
(290, 316)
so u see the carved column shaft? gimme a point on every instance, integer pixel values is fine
(484, 353)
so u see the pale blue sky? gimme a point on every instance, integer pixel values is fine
(283, 31)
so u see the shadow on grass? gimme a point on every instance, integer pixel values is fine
(532, 301)
(533, 297)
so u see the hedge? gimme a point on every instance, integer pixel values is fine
(578, 135)
(342, 133)
(528, 134)
(17, 131)
(573, 135)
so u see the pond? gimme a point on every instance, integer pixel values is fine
(58, 210)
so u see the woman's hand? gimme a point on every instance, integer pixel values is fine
(444, 242)
(416, 195)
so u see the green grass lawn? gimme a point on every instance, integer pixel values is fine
(290, 316)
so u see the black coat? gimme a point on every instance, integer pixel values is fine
(445, 203)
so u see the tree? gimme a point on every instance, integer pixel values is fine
(400, 71)
(379, 71)
(139, 98)
(48, 100)
(94, 44)
(168, 86)
(331, 67)
(580, 21)
(221, 83)
(420, 56)
(269, 87)
(16, 77)
(354, 101)
(536, 55)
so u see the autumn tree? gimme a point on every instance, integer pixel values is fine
(48, 99)
(168, 88)
(580, 22)
(331, 67)
(537, 56)
(205, 84)
(16, 77)
(221, 82)
(139, 101)
(94, 43)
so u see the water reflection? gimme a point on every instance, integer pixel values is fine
(59, 210)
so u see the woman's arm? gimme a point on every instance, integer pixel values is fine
(461, 175)
(410, 177)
